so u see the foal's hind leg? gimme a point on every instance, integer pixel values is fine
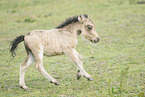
(39, 66)
(23, 69)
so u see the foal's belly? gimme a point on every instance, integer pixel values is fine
(52, 51)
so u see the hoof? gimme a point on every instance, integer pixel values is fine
(51, 82)
(25, 88)
(57, 83)
(78, 76)
(90, 79)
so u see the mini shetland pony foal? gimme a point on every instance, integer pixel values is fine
(61, 40)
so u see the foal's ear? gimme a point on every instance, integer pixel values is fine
(81, 19)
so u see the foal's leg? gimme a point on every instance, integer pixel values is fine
(77, 59)
(79, 73)
(23, 69)
(39, 66)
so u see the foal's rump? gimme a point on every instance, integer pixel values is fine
(33, 43)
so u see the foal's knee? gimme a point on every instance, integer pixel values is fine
(39, 67)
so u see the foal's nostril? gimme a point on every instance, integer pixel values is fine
(98, 39)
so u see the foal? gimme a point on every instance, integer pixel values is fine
(61, 40)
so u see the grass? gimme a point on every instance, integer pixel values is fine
(117, 62)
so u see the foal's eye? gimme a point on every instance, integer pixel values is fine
(89, 27)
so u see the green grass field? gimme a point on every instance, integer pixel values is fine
(117, 62)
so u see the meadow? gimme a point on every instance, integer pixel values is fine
(116, 63)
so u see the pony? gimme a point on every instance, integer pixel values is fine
(61, 40)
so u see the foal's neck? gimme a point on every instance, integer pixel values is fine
(73, 28)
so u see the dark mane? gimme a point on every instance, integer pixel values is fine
(70, 20)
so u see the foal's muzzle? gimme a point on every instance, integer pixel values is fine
(96, 40)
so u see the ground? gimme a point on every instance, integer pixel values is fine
(116, 63)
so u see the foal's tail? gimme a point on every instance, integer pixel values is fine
(15, 43)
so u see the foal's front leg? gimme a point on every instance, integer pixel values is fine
(77, 59)
(40, 68)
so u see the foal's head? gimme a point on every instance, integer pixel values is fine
(88, 28)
